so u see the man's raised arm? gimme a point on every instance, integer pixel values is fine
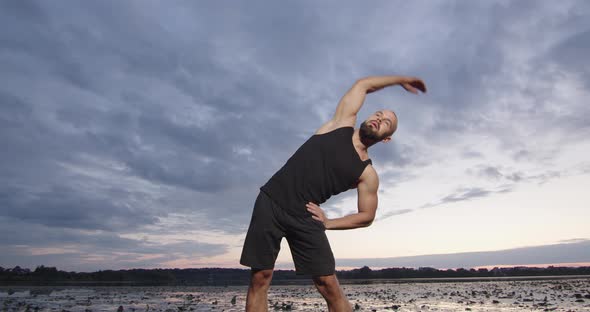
(351, 102)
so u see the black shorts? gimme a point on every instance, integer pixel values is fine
(306, 237)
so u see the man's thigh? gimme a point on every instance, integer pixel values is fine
(263, 240)
(310, 248)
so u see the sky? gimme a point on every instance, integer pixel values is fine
(136, 134)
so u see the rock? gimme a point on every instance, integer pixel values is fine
(357, 306)
(120, 309)
(495, 301)
(233, 300)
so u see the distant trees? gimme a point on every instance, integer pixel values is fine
(46, 272)
(43, 275)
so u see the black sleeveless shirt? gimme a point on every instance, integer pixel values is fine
(325, 165)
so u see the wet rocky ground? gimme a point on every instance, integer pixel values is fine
(538, 295)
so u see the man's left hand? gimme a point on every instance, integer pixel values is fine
(317, 212)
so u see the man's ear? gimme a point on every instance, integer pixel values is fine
(387, 139)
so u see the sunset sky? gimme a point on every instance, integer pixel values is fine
(135, 134)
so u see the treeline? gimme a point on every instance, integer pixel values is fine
(426, 272)
(43, 275)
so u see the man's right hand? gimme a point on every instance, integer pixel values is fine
(413, 85)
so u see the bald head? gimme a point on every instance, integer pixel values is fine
(393, 116)
(380, 126)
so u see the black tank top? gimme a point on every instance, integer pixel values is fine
(325, 165)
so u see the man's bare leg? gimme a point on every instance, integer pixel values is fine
(257, 298)
(330, 289)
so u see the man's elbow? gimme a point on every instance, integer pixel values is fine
(366, 85)
(368, 221)
(362, 84)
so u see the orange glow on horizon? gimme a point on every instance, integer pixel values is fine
(544, 265)
(187, 264)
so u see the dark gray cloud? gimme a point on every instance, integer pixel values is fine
(570, 50)
(64, 207)
(26, 244)
(95, 241)
(574, 252)
(116, 115)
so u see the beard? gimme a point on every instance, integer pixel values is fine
(367, 133)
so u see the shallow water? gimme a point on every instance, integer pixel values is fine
(538, 295)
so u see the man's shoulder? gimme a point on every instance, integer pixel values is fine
(334, 124)
(369, 175)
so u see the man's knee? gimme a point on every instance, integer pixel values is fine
(327, 282)
(261, 278)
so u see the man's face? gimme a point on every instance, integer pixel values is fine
(379, 126)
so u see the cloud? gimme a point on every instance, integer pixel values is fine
(573, 240)
(502, 183)
(28, 244)
(571, 252)
(117, 117)
(570, 50)
(393, 213)
(465, 194)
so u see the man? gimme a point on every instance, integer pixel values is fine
(333, 160)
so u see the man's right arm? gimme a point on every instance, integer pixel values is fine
(351, 102)
(367, 205)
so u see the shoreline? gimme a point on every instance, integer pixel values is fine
(549, 293)
(299, 282)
